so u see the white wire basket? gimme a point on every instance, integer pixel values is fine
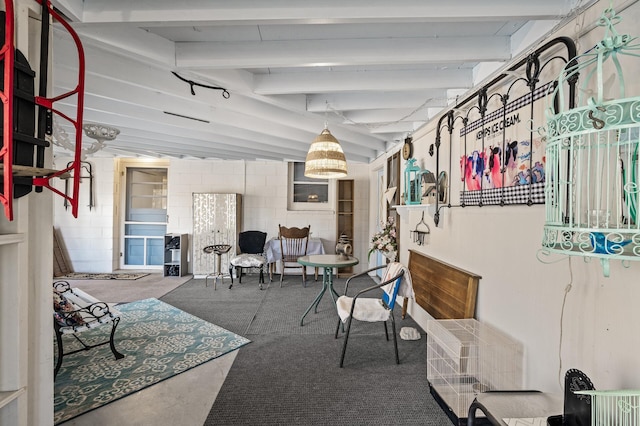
(614, 407)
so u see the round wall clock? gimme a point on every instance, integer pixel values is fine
(407, 149)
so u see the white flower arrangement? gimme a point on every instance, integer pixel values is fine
(385, 241)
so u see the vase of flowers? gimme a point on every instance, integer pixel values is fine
(385, 241)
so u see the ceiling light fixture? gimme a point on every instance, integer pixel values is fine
(325, 159)
(99, 132)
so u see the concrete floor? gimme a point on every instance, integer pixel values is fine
(184, 399)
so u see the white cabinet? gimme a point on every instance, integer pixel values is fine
(175, 255)
(217, 219)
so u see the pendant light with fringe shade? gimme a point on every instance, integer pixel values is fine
(325, 159)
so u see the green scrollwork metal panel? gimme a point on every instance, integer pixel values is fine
(592, 189)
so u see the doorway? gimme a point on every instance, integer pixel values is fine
(145, 218)
(380, 217)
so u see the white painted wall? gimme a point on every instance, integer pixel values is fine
(524, 297)
(89, 238)
(91, 241)
(517, 294)
(26, 350)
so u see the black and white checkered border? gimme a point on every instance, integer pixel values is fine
(524, 100)
(520, 194)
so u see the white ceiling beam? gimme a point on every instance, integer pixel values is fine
(395, 137)
(401, 127)
(128, 82)
(313, 11)
(453, 95)
(192, 148)
(111, 75)
(309, 53)
(71, 9)
(432, 112)
(171, 128)
(241, 113)
(177, 131)
(171, 140)
(250, 47)
(380, 81)
(386, 115)
(184, 152)
(124, 37)
(376, 100)
(112, 54)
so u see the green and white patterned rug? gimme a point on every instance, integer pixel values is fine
(158, 340)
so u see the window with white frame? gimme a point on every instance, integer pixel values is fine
(307, 193)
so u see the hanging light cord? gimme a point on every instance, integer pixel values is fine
(567, 289)
(388, 123)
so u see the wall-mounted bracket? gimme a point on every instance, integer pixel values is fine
(191, 83)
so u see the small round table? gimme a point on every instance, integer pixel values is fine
(327, 262)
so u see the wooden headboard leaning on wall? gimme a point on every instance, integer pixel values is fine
(443, 290)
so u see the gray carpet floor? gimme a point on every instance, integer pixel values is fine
(290, 375)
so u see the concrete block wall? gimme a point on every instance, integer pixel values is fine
(88, 239)
(92, 239)
(264, 188)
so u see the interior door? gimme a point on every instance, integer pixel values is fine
(145, 218)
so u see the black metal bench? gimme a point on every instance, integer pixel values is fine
(76, 311)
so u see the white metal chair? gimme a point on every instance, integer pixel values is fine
(373, 309)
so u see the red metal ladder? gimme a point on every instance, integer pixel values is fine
(41, 177)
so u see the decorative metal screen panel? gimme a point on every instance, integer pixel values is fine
(592, 159)
(497, 131)
(216, 220)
